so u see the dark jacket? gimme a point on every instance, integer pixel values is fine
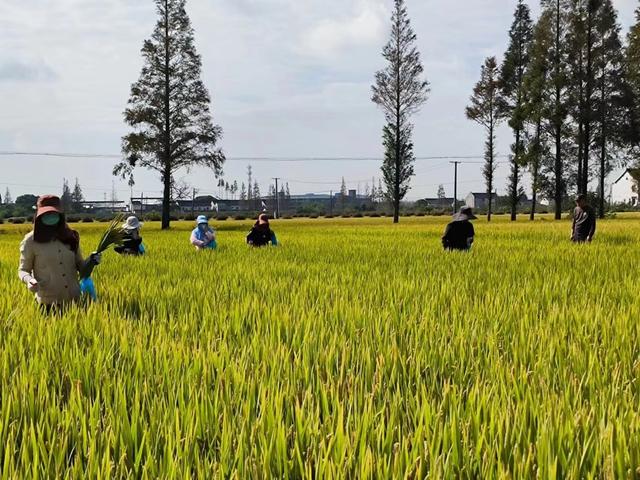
(130, 245)
(584, 224)
(457, 235)
(261, 236)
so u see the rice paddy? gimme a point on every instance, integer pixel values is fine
(357, 349)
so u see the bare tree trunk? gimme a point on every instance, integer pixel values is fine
(603, 145)
(515, 172)
(536, 172)
(588, 95)
(558, 125)
(490, 192)
(166, 176)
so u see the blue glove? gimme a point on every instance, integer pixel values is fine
(87, 287)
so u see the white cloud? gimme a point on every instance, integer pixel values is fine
(24, 71)
(329, 37)
(287, 77)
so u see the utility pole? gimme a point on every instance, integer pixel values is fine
(193, 202)
(277, 215)
(455, 187)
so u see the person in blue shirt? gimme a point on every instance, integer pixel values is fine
(203, 236)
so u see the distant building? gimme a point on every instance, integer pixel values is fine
(104, 206)
(440, 203)
(480, 200)
(625, 188)
(206, 203)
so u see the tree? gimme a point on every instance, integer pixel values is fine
(558, 85)
(514, 68)
(535, 82)
(77, 197)
(67, 197)
(441, 193)
(485, 109)
(381, 193)
(611, 101)
(234, 189)
(632, 74)
(7, 197)
(243, 193)
(26, 201)
(249, 182)
(169, 107)
(181, 190)
(582, 46)
(343, 194)
(400, 91)
(256, 195)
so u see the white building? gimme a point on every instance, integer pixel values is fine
(625, 188)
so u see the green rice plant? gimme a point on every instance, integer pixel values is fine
(358, 349)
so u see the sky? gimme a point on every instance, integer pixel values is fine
(288, 78)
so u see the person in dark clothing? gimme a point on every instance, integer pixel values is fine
(261, 234)
(584, 221)
(459, 234)
(132, 241)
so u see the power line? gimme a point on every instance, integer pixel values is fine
(246, 159)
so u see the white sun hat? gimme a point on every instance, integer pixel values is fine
(132, 223)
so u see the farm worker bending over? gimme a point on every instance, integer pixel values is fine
(203, 236)
(460, 233)
(132, 241)
(261, 234)
(584, 221)
(50, 256)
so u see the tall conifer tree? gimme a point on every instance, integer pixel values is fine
(169, 107)
(399, 90)
(485, 109)
(513, 71)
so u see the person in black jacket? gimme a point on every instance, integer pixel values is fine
(459, 234)
(132, 241)
(584, 221)
(261, 234)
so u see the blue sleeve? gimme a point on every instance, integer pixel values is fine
(274, 240)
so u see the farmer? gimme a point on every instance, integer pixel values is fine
(460, 233)
(261, 234)
(584, 221)
(132, 241)
(50, 257)
(203, 236)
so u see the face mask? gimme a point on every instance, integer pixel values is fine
(51, 219)
(203, 227)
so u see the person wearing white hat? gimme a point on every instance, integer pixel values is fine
(460, 233)
(203, 237)
(132, 242)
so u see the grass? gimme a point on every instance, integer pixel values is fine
(356, 350)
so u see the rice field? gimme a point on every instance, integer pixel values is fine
(357, 349)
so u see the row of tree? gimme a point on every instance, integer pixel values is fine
(569, 89)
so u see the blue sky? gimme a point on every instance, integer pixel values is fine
(288, 78)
